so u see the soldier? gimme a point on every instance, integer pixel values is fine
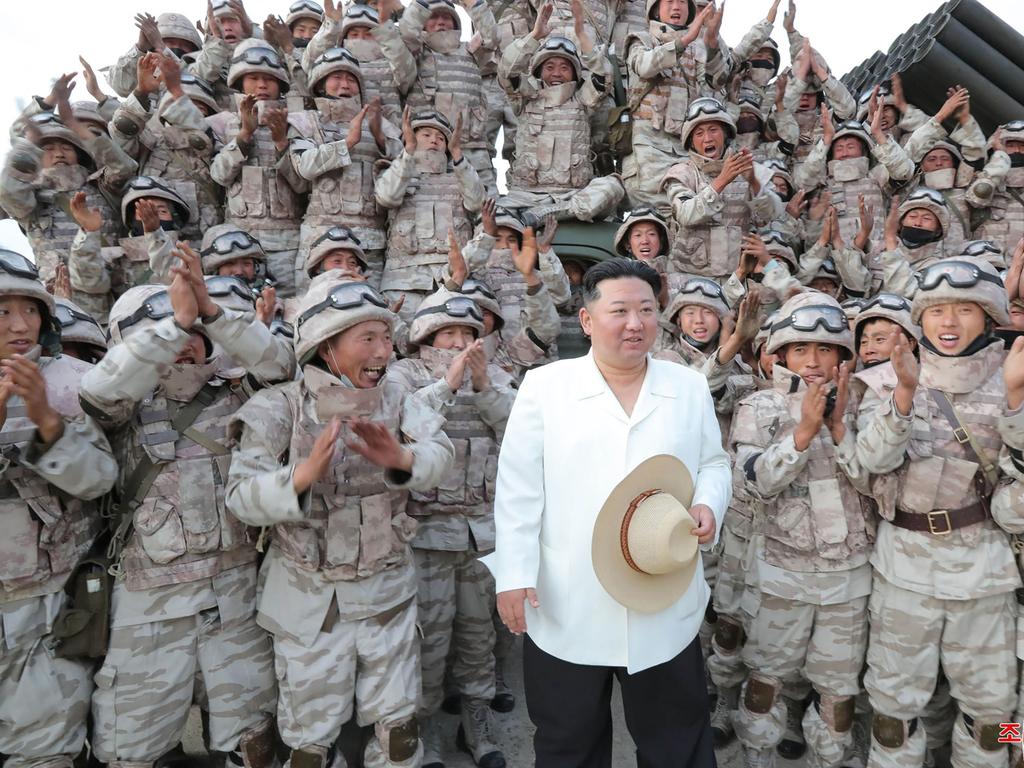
(997, 190)
(900, 119)
(795, 445)
(553, 93)
(292, 36)
(914, 239)
(429, 198)
(945, 572)
(756, 60)
(456, 520)
(304, 20)
(81, 337)
(880, 319)
(645, 236)
(264, 193)
(768, 263)
(447, 77)
(232, 252)
(55, 461)
(185, 596)
(44, 170)
(338, 146)
(339, 583)
(716, 196)
(172, 141)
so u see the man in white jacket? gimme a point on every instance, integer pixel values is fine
(577, 428)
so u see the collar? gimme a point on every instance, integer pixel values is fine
(965, 372)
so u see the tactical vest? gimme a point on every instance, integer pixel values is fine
(960, 219)
(553, 143)
(712, 249)
(353, 526)
(129, 263)
(451, 84)
(378, 78)
(597, 21)
(51, 228)
(819, 523)
(510, 288)
(43, 531)
(182, 159)
(572, 341)
(183, 531)
(1005, 222)
(663, 106)
(418, 231)
(845, 197)
(810, 132)
(259, 198)
(346, 194)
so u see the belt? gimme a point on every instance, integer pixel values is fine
(941, 522)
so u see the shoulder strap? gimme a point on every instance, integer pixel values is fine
(989, 472)
(956, 212)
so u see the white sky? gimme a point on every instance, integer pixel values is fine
(37, 43)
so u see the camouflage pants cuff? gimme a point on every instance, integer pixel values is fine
(760, 721)
(828, 741)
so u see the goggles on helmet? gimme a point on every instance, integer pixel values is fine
(471, 287)
(807, 319)
(345, 296)
(336, 54)
(981, 248)
(703, 106)
(67, 317)
(923, 193)
(260, 55)
(144, 183)
(156, 307)
(231, 241)
(888, 301)
(219, 286)
(1015, 125)
(563, 44)
(432, 115)
(187, 78)
(708, 287)
(360, 11)
(337, 235)
(458, 306)
(957, 274)
(637, 213)
(305, 5)
(13, 263)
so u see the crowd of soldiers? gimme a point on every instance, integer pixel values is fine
(255, 381)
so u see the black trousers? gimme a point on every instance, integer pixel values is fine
(666, 709)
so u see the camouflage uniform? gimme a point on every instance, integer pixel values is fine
(80, 328)
(456, 526)
(998, 194)
(812, 570)
(341, 179)
(944, 579)
(264, 193)
(553, 171)
(49, 522)
(895, 269)
(776, 281)
(338, 582)
(40, 198)
(185, 597)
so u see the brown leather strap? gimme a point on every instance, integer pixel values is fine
(940, 522)
(986, 479)
(624, 530)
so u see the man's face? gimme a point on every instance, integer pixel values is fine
(890, 118)
(179, 44)
(340, 84)
(808, 101)
(490, 321)
(341, 258)
(163, 208)
(456, 337)
(202, 107)
(440, 21)
(574, 272)
(557, 71)
(264, 87)
(698, 323)
(781, 185)
(708, 139)
(812, 361)
(506, 239)
(359, 32)
(244, 268)
(59, 153)
(921, 218)
(764, 54)
(748, 123)
(938, 160)
(1014, 146)
(951, 328)
(673, 12)
(847, 148)
(644, 241)
(428, 138)
(231, 29)
(194, 351)
(875, 341)
(1017, 316)
(359, 353)
(826, 285)
(622, 321)
(305, 29)
(766, 361)
(20, 322)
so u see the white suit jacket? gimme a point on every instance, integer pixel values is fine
(567, 444)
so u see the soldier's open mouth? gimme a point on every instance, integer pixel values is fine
(374, 372)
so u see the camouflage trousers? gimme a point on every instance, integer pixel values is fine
(310, 231)
(456, 598)
(725, 663)
(371, 666)
(974, 640)
(594, 202)
(827, 642)
(145, 687)
(281, 247)
(642, 174)
(44, 703)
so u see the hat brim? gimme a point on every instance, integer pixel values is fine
(646, 593)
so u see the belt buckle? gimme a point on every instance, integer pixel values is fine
(961, 435)
(931, 523)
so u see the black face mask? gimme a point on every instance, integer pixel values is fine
(757, 277)
(166, 226)
(748, 125)
(300, 42)
(762, 64)
(915, 237)
(1016, 159)
(181, 53)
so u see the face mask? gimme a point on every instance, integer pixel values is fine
(1017, 159)
(364, 50)
(64, 178)
(915, 237)
(443, 42)
(339, 109)
(181, 53)
(431, 161)
(849, 170)
(761, 72)
(335, 398)
(556, 95)
(944, 179)
(438, 361)
(182, 381)
(748, 124)
(166, 226)
(300, 42)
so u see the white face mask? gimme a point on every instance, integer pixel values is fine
(438, 361)
(850, 169)
(943, 179)
(64, 178)
(760, 77)
(335, 398)
(443, 42)
(364, 50)
(339, 110)
(431, 160)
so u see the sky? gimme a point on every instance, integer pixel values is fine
(38, 43)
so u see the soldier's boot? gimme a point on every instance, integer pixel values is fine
(976, 743)
(758, 758)
(257, 748)
(857, 753)
(828, 727)
(793, 744)
(896, 743)
(430, 733)
(560, 209)
(721, 719)
(476, 734)
(452, 704)
(504, 700)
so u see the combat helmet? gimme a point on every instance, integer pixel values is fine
(811, 316)
(699, 291)
(333, 60)
(554, 47)
(254, 56)
(304, 9)
(226, 242)
(20, 277)
(178, 26)
(485, 298)
(962, 279)
(442, 309)
(359, 15)
(335, 303)
(79, 327)
(930, 200)
(886, 306)
(334, 239)
(635, 217)
(707, 110)
(142, 187)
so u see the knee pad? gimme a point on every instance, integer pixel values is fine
(399, 740)
(836, 711)
(257, 746)
(891, 732)
(760, 694)
(729, 634)
(985, 734)
(310, 757)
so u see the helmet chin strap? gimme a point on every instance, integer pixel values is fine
(337, 368)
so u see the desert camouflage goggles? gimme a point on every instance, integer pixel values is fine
(222, 286)
(981, 249)
(808, 319)
(704, 106)
(922, 194)
(361, 12)
(13, 263)
(957, 274)
(708, 287)
(458, 306)
(889, 301)
(68, 317)
(473, 287)
(342, 235)
(305, 5)
(260, 55)
(232, 241)
(345, 296)
(189, 79)
(336, 54)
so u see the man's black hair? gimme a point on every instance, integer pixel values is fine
(616, 268)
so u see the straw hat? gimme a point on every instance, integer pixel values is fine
(644, 551)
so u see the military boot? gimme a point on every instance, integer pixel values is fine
(430, 734)
(561, 210)
(793, 745)
(857, 754)
(758, 758)
(476, 734)
(721, 719)
(504, 701)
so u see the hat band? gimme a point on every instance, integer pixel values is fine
(624, 530)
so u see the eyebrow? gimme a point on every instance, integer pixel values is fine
(623, 301)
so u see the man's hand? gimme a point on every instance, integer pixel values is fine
(825, 238)
(997, 140)
(355, 128)
(149, 34)
(170, 75)
(89, 219)
(908, 372)
(243, 17)
(737, 164)
(748, 317)
(820, 205)
(753, 245)
(812, 416)
(62, 281)
(780, 90)
(802, 65)
(548, 232)
(248, 118)
(146, 212)
(692, 32)
(892, 226)
(836, 425)
(542, 26)
(277, 33)
(337, 12)
(867, 224)
(92, 84)
(897, 93)
(192, 268)
(837, 232)
(455, 145)
(183, 298)
(797, 204)
(706, 523)
(828, 128)
(147, 82)
(387, 9)
(476, 359)
(374, 120)
(789, 19)
(1013, 375)
(1015, 274)
(266, 305)
(408, 135)
(62, 88)
(525, 259)
(488, 217)
(958, 99)
(773, 12)
(456, 261)
(378, 445)
(713, 26)
(877, 133)
(456, 373)
(276, 119)
(511, 611)
(24, 379)
(318, 463)
(212, 25)
(580, 27)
